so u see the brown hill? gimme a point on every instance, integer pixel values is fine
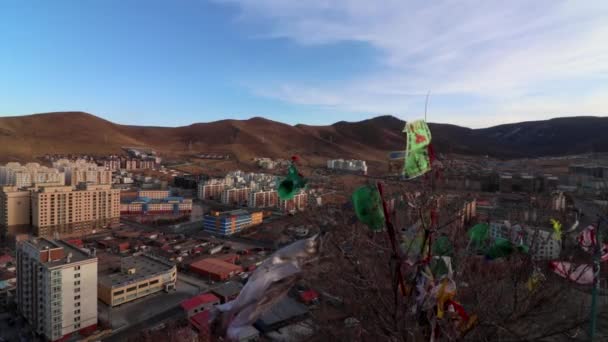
(26, 137)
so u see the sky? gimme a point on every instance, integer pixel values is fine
(173, 63)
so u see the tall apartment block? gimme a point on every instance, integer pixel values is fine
(15, 210)
(211, 190)
(236, 196)
(81, 170)
(263, 199)
(29, 174)
(57, 288)
(68, 212)
(298, 202)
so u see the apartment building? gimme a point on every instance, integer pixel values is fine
(540, 240)
(15, 208)
(26, 175)
(74, 212)
(139, 276)
(263, 199)
(57, 287)
(80, 171)
(298, 202)
(236, 196)
(154, 194)
(211, 190)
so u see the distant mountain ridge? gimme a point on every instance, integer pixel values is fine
(25, 137)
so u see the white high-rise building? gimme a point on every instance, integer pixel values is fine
(57, 287)
(83, 171)
(29, 174)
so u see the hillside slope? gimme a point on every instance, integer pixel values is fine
(25, 137)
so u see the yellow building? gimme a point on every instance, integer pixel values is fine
(15, 210)
(256, 218)
(140, 276)
(68, 212)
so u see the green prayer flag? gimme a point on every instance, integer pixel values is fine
(503, 248)
(291, 184)
(417, 160)
(368, 207)
(442, 246)
(478, 234)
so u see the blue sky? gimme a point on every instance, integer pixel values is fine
(172, 63)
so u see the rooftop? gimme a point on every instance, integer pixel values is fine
(201, 299)
(282, 313)
(69, 251)
(146, 266)
(228, 289)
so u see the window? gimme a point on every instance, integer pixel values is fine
(77, 325)
(76, 275)
(131, 288)
(143, 285)
(77, 319)
(77, 290)
(154, 282)
(77, 282)
(77, 304)
(76, 312)
(77, 297)
(118, 293)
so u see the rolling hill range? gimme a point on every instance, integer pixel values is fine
(22, 138)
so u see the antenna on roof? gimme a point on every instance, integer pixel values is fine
(426, 104)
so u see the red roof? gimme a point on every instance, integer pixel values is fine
(200, 320)
(75, 242)
(5, 258)
(199, 300)
(309, 296)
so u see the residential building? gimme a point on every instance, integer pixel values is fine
(15, 209)
(543, 245)
(211, 190)
(230, 222)
(146, 206)
(236, 196)
(199, 303)
(82, 171)
(139, 276)
(356, 166)
(57, 288)
(74, 212)
(263, 199)
(297, 203)
(29, 174)
(154, 194)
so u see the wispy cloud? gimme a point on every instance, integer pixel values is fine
(499, 55)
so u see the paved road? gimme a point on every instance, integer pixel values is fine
(130, 332)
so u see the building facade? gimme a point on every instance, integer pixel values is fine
(57, 287)
(69, 212)
(263, 199)
(26, 175)
(139, 276)
(83, 171)
(236, 196)
(15, 208)
(231, 222)
(297, 203)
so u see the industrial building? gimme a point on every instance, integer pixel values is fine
(57, 288)
(139, 276)
(215, 269)
(230, 222)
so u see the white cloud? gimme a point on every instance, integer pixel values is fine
(500, 53)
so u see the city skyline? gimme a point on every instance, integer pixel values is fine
(173, 64)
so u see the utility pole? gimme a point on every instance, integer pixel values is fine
(596, 280)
